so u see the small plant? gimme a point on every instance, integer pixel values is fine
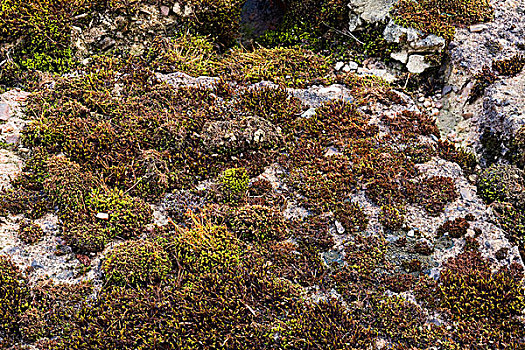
(456, 228)
(392, 217)
(14, 298)
(440, 17)
(510, 66)
(234, 183)
(137, 263)
(30, 233)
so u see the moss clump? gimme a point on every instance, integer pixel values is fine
(471, 291)
(257, 223)
(88, 237)
(14, 298)
(434, 193)
(456, 228)
(219, 19)
(233, 184)
(30, 233)
(440, 17)
(510, 66)
(127, 215)
(136, 263)
(351, 216)
(192, 54)
(502, 183)
(41, 31)
(482, 80)
(466, 160)
(271, 103)
(292, 67)
(392, 217)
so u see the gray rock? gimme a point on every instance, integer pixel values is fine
(368, 11)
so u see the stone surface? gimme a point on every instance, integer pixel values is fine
(416, 64)
(368, 11)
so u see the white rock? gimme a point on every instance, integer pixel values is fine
(401, 56)
(339, 65)
(350, 66)
(103, 216)
(416, 64)
(477, 28)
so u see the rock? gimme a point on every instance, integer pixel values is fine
(350, 66)
(368, 11)
(5, 112)
(339, 65)
(381, 73)
(164, 10)
(401, 56)
(416, 64)
(477, 28)
(308, 113)
(102, 216)
(243, 134)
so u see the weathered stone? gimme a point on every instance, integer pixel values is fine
(401, 56)
(368, 11)
(416, 64)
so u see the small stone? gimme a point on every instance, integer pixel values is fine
(165, 10)
(476, 28)
(400, 56)
(351, 66)
(411, 233)
(339, 65)
(12, 139)
(416, 64)
(339, 227)
(468, 115)
(103, 216)
(5, 112)
(427, 104)
(466, 194)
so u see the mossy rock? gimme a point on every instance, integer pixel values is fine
(503, 183)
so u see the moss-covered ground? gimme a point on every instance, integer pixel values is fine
(230, 269)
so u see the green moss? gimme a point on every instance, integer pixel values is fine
(440, 17)
(128, 216)
(434, 193)
(233, 184)
(501, 183)
(14, 296)
(136, 263)
(257, 223)
(219, 19)
(87, 236)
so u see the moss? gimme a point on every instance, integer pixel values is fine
(352, 217)
(14, 296)
(234, 183)
(511, 66)
(292, 67)
(191, 54)
(501, 183)
(136, 263)
(434, 193)
(127, 216)
(517, 148)
(271, 103)
(30, 233)
(440, 17)
(482, 80)
(87, 237)
(392, 217)
(471, 291)
(466, 159)
(456, 228)
(259, 223)
(219, 19)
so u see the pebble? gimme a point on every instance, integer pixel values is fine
(165, 10)
(5, 112)
(103, 216)
(476, 28)
(339, 65)
(427, 104)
